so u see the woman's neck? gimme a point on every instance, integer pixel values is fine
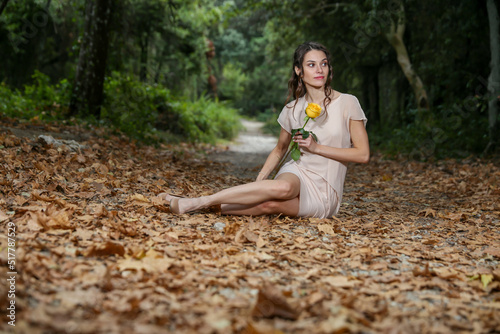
(315, 95)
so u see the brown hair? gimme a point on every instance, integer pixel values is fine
(296, 87)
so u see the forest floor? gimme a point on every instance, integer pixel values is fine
(414, 249)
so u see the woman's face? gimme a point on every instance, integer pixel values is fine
(314, 69)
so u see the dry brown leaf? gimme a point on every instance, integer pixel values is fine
(327, 229)
(271, 303)
(495, 251)
(260, 242)
(251, 236)
(340, 281)
(446, 273)
(148, 264)
(3, 216)
(428, 212)
(106, 249)
(315, 297)
(52, 218)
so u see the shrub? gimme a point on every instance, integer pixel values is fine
(139, 110)
(204, 120)
(40, 99)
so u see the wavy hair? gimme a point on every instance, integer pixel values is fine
(296, 87)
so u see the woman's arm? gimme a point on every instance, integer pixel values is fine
(275, 156)
(359, 152)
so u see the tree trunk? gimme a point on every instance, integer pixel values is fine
(371, 92)
(143, 75)
(3, 5)
(158, 69)
(494, 77)
(88, 92)
(395, 38)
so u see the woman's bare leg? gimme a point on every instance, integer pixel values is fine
(285, 187)
(287, 207)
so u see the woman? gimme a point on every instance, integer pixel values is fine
(313, 185)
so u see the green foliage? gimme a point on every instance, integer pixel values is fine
(45, 94)
(132, 106)
(205, 120)
(39, 99)
(233, 84)
(164, 44)
(455, 131)
(135, 108)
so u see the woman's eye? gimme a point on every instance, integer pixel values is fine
(324, 64)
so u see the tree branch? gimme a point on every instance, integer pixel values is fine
(395, 38)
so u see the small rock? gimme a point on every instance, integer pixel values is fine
(49, 140)
(219, 226)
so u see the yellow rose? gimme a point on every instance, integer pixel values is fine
(313, 110)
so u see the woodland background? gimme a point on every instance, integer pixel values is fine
(105, 103)
(426, 72)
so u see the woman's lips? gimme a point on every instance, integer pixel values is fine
(319, 78)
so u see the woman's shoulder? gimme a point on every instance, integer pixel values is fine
(346, 97)
(347, 100)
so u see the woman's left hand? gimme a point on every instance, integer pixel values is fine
(308, 144)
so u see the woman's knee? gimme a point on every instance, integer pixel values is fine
(285, 189)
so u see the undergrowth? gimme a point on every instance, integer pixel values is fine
(145, 112)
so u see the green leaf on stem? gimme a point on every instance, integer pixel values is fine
(295, 154)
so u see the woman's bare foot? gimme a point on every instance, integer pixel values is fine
(172, 200)
(187, 205)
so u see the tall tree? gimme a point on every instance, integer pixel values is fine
(88, 94)
(149, 17)
(395, 38)
(3, 5)
(494, 77)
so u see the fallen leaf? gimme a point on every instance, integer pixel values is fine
(260, 242)
(148, 264)
(486, 279)
(139, 197)
(340, 281)
(327, 229)
(271, 303)
(106, 249)
(3, 216)
(495, 251)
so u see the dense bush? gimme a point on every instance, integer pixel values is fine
(205, 120)
(444, 131)
(142, 111)
(40, 99)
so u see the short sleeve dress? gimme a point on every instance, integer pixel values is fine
(321, 179)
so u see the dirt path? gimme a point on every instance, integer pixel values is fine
(248, 152)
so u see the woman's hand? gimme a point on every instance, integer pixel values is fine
(261, 177)
(308, 144)
(275, 156)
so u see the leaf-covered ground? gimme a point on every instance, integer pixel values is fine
(415, 248)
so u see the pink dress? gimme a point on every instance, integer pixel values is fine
(321, 179)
